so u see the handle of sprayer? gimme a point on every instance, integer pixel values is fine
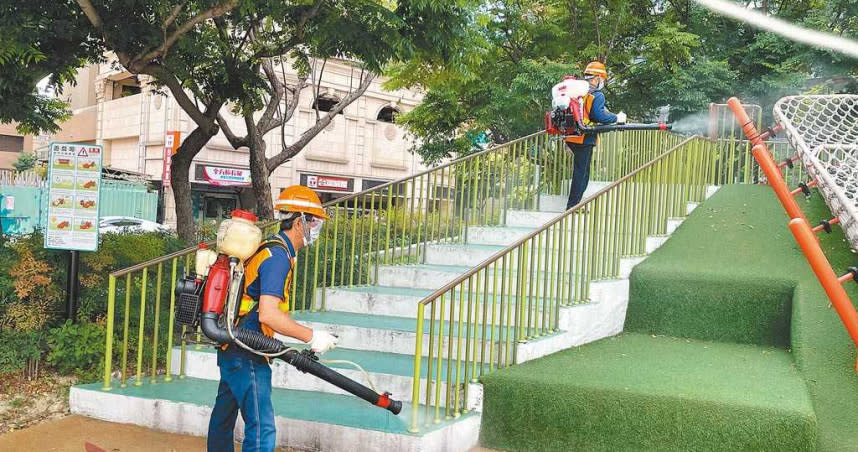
(618, 127)
(307, 362)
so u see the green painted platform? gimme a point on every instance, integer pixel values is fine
(309, 406)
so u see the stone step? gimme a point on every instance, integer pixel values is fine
(421, 276)
(557, 203)
(368, 332)
(305, 420)
(388, 372)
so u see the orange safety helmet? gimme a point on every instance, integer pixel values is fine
(299, 198)
(596, 68)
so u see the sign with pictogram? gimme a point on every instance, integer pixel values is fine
(171, 146)
(74, 189)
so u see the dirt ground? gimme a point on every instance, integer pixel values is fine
(25, 403)
(82, 434)
(72, 433)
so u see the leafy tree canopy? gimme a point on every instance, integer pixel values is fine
(658, 53)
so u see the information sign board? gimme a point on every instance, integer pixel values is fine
(74, 187)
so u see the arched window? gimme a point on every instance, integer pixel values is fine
(325, 104)
(387, 114)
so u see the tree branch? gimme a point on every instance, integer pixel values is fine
(291, 106)
(278, 91)
(181, 31)
(170, 80)
(233, 139)
(296, 147)
(174, 14)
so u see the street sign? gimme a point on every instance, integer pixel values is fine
(74, 189)
(171, 145)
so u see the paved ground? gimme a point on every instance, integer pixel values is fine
(71, 433)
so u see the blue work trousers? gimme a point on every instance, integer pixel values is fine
(245, 385)
(582, 153)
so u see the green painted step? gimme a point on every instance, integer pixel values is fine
(310, 406)
(639, 392)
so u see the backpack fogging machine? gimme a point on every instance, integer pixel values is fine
(211, 297)
(566, 119)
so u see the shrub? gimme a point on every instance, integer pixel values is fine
(77, 349)
(19, 349)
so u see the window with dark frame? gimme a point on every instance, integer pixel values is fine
(388, 114)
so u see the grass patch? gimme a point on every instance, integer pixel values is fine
(638, 392)
(731, 273)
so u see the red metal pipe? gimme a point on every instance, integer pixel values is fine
(776, 181)
(830, 282)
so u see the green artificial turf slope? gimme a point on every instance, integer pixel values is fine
(740, 235)
(736, 254)
(637, 392)
(711, 281)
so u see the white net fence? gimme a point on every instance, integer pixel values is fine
(824, 131)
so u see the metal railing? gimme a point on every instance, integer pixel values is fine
(386, 225)
(473, 325)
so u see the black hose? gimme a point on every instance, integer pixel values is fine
(618, 127)
(304, 361)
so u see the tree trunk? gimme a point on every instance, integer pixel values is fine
(259, 173)
(180, 180)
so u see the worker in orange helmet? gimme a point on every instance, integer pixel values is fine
(245, 383)
(582, 145)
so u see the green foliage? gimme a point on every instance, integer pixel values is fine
(77, 348)
(40, 39)
(26, 161)
(18, 347)
(658, 53)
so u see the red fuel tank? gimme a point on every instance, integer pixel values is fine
(217, 285)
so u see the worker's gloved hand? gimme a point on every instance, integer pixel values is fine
(621, 118)
(322, 341)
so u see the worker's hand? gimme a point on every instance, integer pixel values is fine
(621, 118)
(322, 341)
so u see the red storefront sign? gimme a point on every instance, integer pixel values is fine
(171, 145)
(329, 183)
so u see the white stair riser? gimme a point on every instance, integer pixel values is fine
(429, 279)
(557, 203)
(391, 341)
(203, 365)
(529, 218)
(471, 257)
(394, 306)
(191, 419)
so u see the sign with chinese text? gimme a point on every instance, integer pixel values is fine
(74, 189)
(171, 145)
(327, 183)
(218, 175)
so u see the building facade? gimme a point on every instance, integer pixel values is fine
(134, 122)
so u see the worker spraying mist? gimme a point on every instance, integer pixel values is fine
(245, 377)
(582, 145)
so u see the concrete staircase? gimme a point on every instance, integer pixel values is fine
(377, 329)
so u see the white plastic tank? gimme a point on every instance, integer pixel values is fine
(568, 90)
(204, 259)
(239, 236)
